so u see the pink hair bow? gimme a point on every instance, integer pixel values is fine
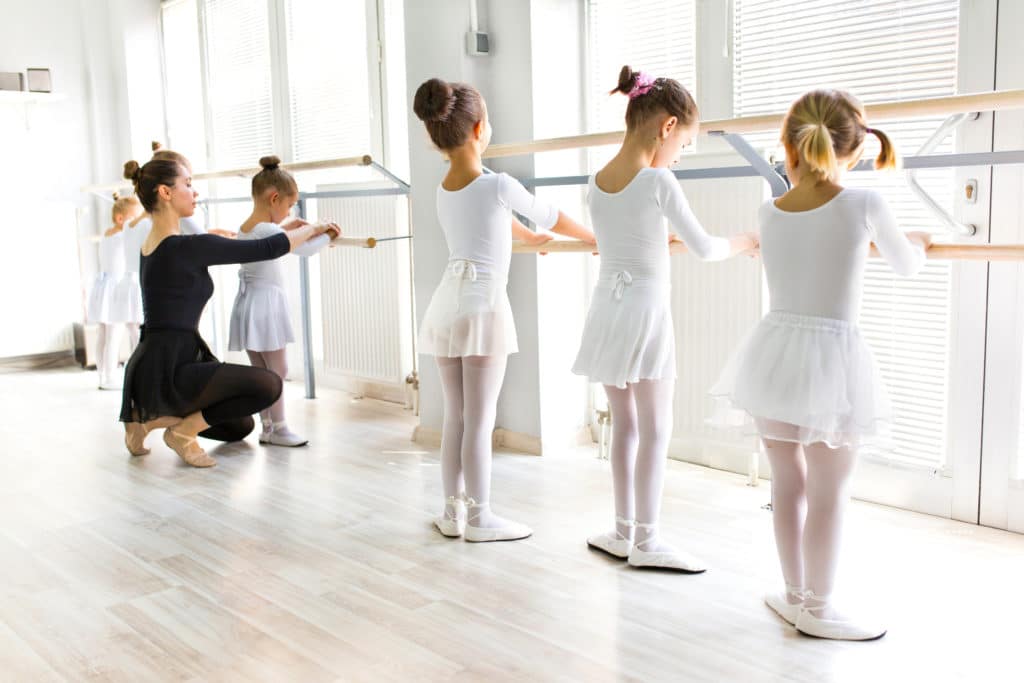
(643, 84)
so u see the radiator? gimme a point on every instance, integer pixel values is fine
(365, 295)
(714, 307)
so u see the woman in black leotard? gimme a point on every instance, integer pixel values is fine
(172, 379)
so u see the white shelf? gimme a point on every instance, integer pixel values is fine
(24, 96)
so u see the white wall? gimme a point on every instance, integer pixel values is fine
(49, 150)
(436, 48)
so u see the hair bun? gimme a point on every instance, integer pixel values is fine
(434, 101)
(627, 79)
(132, 171)
(156, 146)
(116, 195)
(270, 163)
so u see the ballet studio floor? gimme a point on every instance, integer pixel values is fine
(320, 564)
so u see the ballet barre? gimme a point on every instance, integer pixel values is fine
(931, 106)
(941, 252)
(366, 242)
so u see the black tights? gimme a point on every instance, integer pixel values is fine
(232, 396)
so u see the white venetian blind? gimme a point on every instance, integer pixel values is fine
(328, 78)
(239, 93)
(656, 36)
(879, 50)
(186, 125)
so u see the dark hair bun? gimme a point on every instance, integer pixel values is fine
(132, 171)
(115, 195)
(627, 79)
(434, 101)
(270, 163)
(156, 146)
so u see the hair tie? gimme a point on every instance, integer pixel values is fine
(642, 85)
(868, 129)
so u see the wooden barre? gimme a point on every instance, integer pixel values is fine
(932, 106)
(959, 252)
(364, 160)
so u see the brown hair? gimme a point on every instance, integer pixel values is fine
(169, 155)
(273, 176)
(149, 177)
(824, 126)
(122, 205)
(665, 96)
(448, 110)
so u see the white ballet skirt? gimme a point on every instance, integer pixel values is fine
(805, 374)
(104, 306)
(129, 292)
(260, 315)
(629, 335)
(469, 313)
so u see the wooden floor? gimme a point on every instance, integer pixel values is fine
(319, 564)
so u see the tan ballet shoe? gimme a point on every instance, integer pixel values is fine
(135, 438)
(188, 449)
(135, 433)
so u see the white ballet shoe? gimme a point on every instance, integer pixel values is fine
(509, 531)
(280, 435)
(268, 429)
(613, 542)
(834, 629)
(675, 560)
(780, 604)
(452, 522)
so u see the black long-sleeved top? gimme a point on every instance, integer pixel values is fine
(175, 282)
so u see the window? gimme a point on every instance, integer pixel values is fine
(183, 80)
(906, 321)
(656, 36)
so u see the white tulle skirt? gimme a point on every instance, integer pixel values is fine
(469, 315)
(104, 305)
(628, 336)
(260, 319)
(804, 379)
(129, 298)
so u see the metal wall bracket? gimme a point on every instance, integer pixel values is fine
(779, 185)
(942, 132)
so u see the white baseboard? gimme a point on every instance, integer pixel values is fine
(502, 438)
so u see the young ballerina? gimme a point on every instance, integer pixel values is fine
(104, 305)
(172, 380)
(260, 323)
(468, 325)
(628, 344)
(805, 375)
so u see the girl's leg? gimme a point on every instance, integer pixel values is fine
(789, 510)
(256, 358)
(654, 418)
(625, 438)
(133, 334)
(101, 354)
(482, 377)
(452, 521)
(277, 362)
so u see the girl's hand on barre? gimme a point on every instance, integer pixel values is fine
(747, 243)
(223, 233)
(293, 224)
(534, 239)
(674, 239)
(922, 238)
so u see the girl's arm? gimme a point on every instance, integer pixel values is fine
(903, 252)
(526, 236)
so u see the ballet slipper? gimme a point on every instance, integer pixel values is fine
(135, 433)
(187, 448)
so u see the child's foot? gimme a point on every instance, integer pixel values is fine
(650, 552)
(616, 543)
(280, 435)
(483, 526)
(452, 523)
(819, 619)
(786, 604)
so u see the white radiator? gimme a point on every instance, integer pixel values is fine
(714, 307)
(366, 301)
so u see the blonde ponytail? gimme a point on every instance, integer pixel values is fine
(887, 155)
(814, 145)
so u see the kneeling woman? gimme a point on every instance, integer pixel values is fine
(172, 379)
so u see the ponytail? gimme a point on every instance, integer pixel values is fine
(814, 145)
(887, 155)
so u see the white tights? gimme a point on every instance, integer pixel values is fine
(133, 334)
(276, 362)
(471, 386)
(641, 429)
(107, 351)
(809, 494)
